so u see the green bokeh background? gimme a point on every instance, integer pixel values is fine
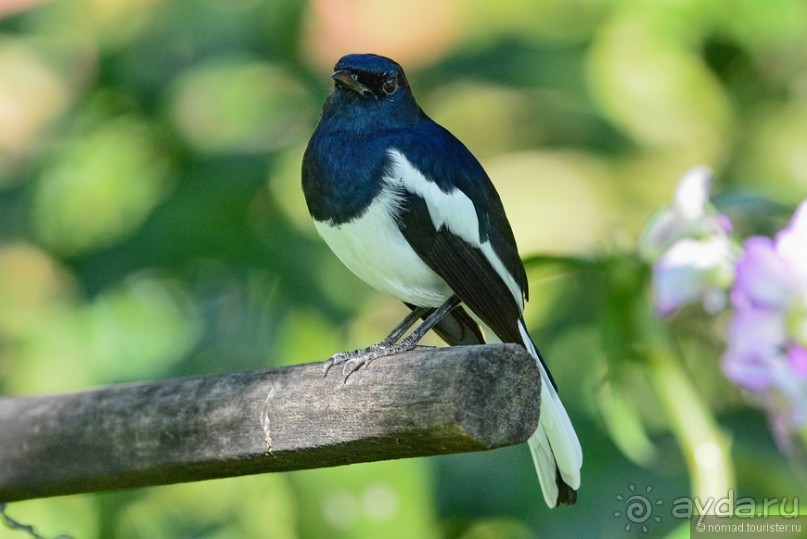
(152, 226)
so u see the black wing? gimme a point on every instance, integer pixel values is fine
(444, 160)
(464, 267)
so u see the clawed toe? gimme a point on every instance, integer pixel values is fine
(352, 361)
(356, 363)
(355, 360)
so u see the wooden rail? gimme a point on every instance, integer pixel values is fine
(425, 402)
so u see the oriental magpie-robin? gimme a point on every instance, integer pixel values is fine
(407, 207)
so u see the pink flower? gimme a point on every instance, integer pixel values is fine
(767, 345)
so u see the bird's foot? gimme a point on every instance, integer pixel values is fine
(353, 361)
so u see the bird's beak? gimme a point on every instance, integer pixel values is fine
(349, 79)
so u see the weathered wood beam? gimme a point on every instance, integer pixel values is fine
(425, 402)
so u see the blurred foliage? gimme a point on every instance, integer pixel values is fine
(152, 225)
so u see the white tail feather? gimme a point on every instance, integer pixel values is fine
(544, 465)
(554, 445)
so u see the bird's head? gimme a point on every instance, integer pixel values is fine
(373, 84)
(369, 76)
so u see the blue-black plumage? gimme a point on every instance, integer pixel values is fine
(407, 207)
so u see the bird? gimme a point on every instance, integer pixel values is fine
(409, 210)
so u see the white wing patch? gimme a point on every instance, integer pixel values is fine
(452, 210)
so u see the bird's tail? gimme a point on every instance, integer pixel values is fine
(554, 446)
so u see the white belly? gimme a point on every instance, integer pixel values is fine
(374, 249)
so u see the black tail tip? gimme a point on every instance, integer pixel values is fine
(566, 494)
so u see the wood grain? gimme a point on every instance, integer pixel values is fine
(425, 402)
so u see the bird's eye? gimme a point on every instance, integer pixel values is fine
(390, 85)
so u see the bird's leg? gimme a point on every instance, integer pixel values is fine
(381, 350)
(392, 338)
(355, 360)
(432, 320)
(405, 324)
